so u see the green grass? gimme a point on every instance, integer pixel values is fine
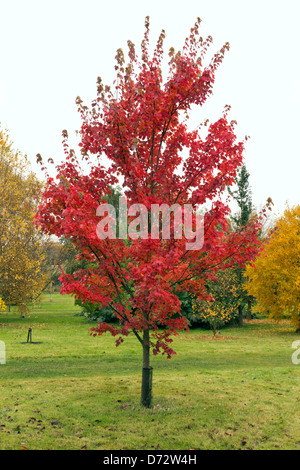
(74, 391)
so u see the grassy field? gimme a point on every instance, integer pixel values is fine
(74, 391)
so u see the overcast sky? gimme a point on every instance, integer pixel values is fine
(53, 51)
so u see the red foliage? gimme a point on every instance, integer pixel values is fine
(142, 131)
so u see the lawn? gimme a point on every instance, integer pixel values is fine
(69, 390)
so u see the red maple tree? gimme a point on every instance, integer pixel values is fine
(141, 129)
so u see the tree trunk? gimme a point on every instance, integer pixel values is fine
(240, 315)
(146, 395)
(249, 313)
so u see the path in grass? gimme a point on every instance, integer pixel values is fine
(74, 391)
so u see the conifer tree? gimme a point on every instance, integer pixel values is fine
(243, 197)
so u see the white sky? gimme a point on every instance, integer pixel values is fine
(53, 51)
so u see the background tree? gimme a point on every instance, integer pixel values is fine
(21, 244)
(242, 195)
(221, 307)
(59, 254)
(142, 129)
(2, 305)
(274, 276)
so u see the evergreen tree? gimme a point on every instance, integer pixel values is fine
(243, 197)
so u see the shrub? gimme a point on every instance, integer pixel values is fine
(93, 312)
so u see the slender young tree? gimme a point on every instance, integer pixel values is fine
(141, 128)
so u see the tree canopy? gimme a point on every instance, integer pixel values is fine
(21, 244)
(274, 276)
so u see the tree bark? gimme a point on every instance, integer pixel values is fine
(146, 393)
(249, 313)
(240, 315)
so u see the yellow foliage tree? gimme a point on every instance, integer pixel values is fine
(2, 305)
(21, 245)
(274, 277)
(223, 303)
